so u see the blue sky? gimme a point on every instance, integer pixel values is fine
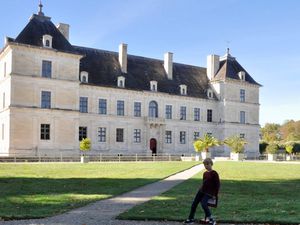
(264, 36)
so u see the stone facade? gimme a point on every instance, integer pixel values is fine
(22, 114)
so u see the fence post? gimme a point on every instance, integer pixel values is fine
(15, 158)
(39, 157)
(136, 159)
(61, 157)
(169, 157)
(119, 157)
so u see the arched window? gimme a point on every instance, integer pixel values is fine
(47, 43)
(153, 109)
(84, 79)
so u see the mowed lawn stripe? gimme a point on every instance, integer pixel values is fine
(40, 190)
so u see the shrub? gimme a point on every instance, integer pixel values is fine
(262, 147)
(235, 143)
(272, 148)
(203, 144)
(85, 144)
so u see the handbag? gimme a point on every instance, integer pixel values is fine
(212, 202)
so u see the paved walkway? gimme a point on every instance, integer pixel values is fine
(104, 212)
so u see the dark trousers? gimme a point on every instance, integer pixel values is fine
(203, 198)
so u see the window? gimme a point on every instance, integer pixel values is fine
(168, 112)
(120, 108)
(182, 137)
(84, 79)
(137, 135)
(197, 114)
(153, 109)
(242, 135)
(121, 81)
(82, 133)
(46, 100)
(153, 85)
(3, 100)
(102, 106)
(242, 95)
(168, 138)
(196, 135)
(45, 131)
(209, 115)
(83, 106)
(119, 135)
(4, 69)
(46, 69)
(101, 134)
(242, 117)
(137, 109)
(209, 134)
(182, 113)
(183, 88)
(2, 131)
(47, 43)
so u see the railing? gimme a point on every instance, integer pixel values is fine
(23, 158)
(92, 158)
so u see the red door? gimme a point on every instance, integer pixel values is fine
(153, 144)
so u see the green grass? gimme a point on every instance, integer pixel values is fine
(40, 190)
(250, 192)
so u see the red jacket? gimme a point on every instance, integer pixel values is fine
(211, 183)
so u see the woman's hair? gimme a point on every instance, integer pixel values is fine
(208, 161)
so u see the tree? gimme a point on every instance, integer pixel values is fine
(203, 144)
(235, 143)
(272, 148)
(289, 148)
(85, 144)
(271, 132)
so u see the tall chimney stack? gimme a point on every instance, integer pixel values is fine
(123, 57)
(213, 64)
(64, 29)
(168, 64)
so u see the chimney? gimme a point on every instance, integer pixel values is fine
(123, 57)
(213, 64)
(168, 64)
(64, 29)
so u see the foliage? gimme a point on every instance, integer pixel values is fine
(289, 148)
(85, 144)
(272, 148)
(290, 130)
(271, 132)
(248, 190)
(235, 143)
(262, 147)
(45, 189)
(203, 144)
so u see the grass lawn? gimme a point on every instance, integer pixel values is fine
(40, 190)
(250, 192)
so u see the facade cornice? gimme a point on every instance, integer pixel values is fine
(48, 50)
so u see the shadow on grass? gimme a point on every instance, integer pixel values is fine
(273, 201)
(22, 198)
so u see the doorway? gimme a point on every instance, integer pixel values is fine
(153, 146)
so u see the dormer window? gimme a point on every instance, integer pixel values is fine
(84, 77)
(242, 75)
(121, 81)
(183, 89)
(47, 41)
(153, 85)
(210, 93)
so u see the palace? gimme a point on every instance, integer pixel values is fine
(53, 94)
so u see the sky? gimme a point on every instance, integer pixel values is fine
(263, 35)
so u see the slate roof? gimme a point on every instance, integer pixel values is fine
(104, 68)
(229, 68)
(38, 26)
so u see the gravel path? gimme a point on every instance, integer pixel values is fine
(104, 212)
